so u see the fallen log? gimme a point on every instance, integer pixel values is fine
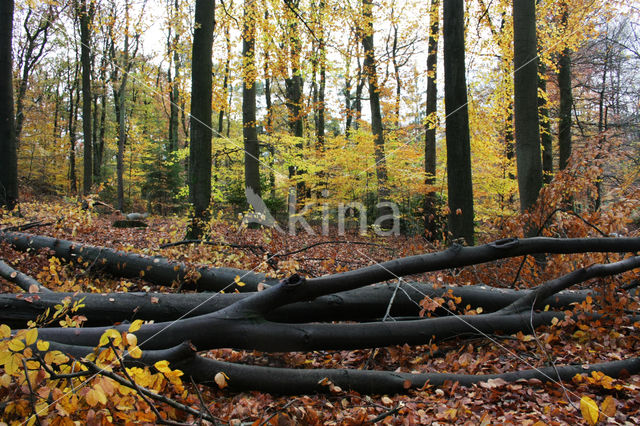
(24, 281)
(365, 304)
(243, 325)
(289, 381)
(156, 270)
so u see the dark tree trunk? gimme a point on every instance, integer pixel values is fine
(546, 139)
(72, 123)
(376, 113)
(225, 82)
(269, 117)
(566, 101)
(361, 305)
(86, 16)
(457, 124)
(99, 122)
(156, 270)
(200, 123)
(8, 140)
(174, 93)
(320, 106)
(249, 124)
(430, 204)
(527, 129)
(294, 91)
(120, 109)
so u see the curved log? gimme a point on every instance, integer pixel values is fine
(23, 281)
(365, 304)
(306, 381)
(156, 270)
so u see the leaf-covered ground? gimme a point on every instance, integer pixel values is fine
(494, 402)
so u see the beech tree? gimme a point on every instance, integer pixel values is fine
(85, 15)
(457, 123)
(249, 124)
(430, 205)
(200, 122)
(527, 128)
(8, 140)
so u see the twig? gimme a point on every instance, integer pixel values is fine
(93, 368)
(281, 409)
(26, 226)
(386, 414)
(364, 243)
(32, 400)
(204, 404)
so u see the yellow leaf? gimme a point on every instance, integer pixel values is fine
(32, 336)
(5, 331)
(162, 366)
(16, 345)
(609, 406)
(589, 410)
(12, 365)
(42, 345)
(135, 326)
(110, 334)
(135, 352)
(55, 357)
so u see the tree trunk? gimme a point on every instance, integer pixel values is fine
(365, 304)
(320, 106)
(546, 139)
(566, 102)
(74, 100)
(8, 141)
(156, 270)
(527, 129)
(376, 113)
(86, 17)
(460, 188)
(249, 129)
(225, 83)
(293, 94)
(430, 203)
(200, 146)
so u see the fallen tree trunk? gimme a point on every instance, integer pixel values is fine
(365, 304)
(243, 325)
(23, 281)
(246, 323)
(156, 270)
(306, 381)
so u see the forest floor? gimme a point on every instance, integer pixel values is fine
(494, 402)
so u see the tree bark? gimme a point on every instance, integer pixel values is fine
(72, 124)
(546, 139)
(23, 281)
(430, 204)
(566, 101)
(249, 123)
(8, 140)
(245, 326)
(376, 113)
(86, 16)
(365, 304)
(156, 270)
(527, 129)
(200, 123)
(460, 186)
